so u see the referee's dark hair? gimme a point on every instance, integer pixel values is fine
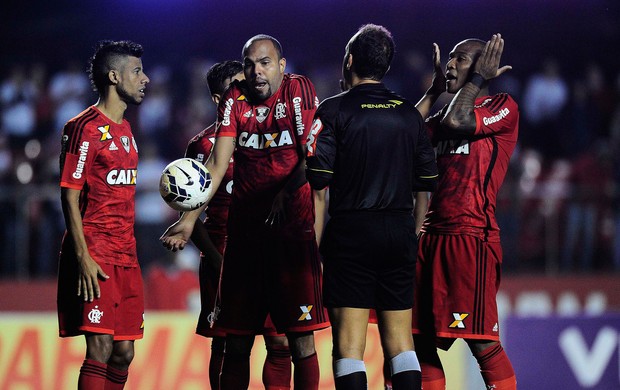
(372, 48)
(219, 73)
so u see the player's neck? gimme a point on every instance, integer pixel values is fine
(355, 81)
(112, 108)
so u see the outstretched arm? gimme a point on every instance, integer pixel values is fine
(177, 235)
(460, 114)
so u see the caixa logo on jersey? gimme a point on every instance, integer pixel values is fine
(264, 141)
(81, 162)
(122, 177)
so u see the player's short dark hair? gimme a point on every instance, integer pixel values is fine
(219, 73)
(262, 37)
(107, 53)
(373, 49)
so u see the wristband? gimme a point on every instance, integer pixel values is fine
(477, 80)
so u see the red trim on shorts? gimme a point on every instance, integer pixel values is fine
(129, 337)
(449, 335)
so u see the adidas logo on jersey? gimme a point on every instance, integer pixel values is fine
(112, 146)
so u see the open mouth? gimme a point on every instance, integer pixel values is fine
(260, 85)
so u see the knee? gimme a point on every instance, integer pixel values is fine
(239, 345)
(301, 345)
(99, 347)
(477, 347)
(122, 355)
(276, 341)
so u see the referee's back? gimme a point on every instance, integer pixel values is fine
(373, 151)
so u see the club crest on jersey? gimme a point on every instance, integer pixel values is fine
(280, 111)
(261, 113)
(125, 142)
(94, 316)
(105, 132)
(453, 146)
(458, 320)
(305, 313)
(264, 141)
(135, 145)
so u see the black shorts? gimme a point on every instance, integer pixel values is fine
(369, 260)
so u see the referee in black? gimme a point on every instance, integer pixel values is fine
(369, 146)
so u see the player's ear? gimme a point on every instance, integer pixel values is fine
(216, 98)
(349, 61)
(282, 64)
(113, 76)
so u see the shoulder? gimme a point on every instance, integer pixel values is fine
(297, 82)
(237, 90)
(496, 102)
(332, 103)
(209, 131)
(294, 78)
(87, 120)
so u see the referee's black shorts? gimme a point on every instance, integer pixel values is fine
(369, 260)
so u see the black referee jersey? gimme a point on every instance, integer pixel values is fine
(369, 145)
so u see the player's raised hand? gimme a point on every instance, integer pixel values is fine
(88, 278)
(487, 64)
(176, 236)
(438, 84)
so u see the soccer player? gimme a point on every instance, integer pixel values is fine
(100, 292)
(460, 253)
(211, 236)
(369, 145)
(271, 262)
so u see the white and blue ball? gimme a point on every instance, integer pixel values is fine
(185, 184)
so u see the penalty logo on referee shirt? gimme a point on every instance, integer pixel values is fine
(305, 310)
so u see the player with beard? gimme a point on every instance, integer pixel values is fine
(100, 293)
(210, 237)
(271, 262)
(460, 256)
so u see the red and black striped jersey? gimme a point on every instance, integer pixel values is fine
(270, 138)
(472, 169)
(100, 158)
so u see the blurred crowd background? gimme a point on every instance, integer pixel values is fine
(559, 208)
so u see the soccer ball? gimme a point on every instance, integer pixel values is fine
(185, 184)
